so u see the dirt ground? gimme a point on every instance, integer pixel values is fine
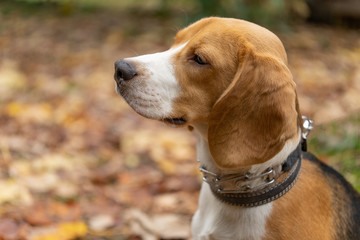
(77, 163)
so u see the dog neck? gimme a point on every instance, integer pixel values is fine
(246, 223)
(260, 184)
(205, 159)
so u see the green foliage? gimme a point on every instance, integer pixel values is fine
(61, 7)
(268, 13)
(339, 144)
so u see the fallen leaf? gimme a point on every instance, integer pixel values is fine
(167, 166)
(38, 216)
(101, 222)
(11, 79)
(63, 231)
(9, 230)
(132, 160)
(106, 173)
(39, 112)
(42, 183)
(72, 230)
(14, 192)
(179, 202)
(66, 190)
(53, 162)
(45, 213)
(162, 226)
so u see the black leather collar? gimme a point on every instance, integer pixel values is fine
(290, 170)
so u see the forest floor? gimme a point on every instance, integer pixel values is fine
(77, 163)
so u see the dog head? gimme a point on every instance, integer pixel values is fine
(230, 74)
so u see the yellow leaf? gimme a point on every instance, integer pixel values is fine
(167, 166)
(65, 231)
(14, 109)
(40, 112)
(73, 229)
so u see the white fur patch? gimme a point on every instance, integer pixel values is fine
(152, 92)
(216, 220)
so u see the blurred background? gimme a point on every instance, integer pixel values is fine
(77, 163)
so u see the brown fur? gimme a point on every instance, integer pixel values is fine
(254, 118)
(304, 212)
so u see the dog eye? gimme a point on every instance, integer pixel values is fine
(198, 60)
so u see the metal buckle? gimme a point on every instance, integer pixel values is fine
(308, 126)
(240, 180)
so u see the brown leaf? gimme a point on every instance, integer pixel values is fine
(9, 229)
(37, 215)
(182, 183)
(65, 212)
(44, 213)
(106, 173)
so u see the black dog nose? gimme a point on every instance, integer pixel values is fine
(124, 71)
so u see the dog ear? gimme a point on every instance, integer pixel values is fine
(254, 117)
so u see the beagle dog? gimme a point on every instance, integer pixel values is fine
(229, 80)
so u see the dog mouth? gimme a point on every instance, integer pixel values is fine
(175, 121)
(143, 109)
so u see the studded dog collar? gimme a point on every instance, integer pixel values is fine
(274, 182)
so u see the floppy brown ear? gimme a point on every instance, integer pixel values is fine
(255, 116)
